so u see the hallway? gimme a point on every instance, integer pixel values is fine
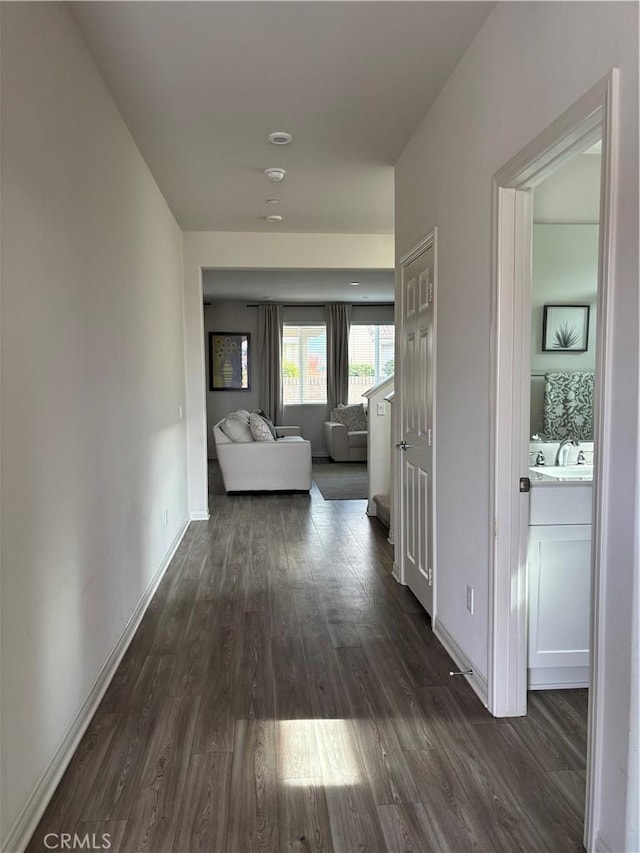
(284, 693)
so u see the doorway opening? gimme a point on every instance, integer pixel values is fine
(564, 284)
(591, 119)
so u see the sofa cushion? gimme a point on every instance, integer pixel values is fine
(353, 417)
(260, 428)
(357, 438)
(236, 427)
(265, 417)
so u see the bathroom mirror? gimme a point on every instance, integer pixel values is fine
(565, 269)
(566, 212)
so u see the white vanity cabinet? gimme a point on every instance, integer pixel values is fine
(559, 586)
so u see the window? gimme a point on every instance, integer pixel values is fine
(371, 357)
(304, 364)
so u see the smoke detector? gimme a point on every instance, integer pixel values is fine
(280, 137)
(275, 173)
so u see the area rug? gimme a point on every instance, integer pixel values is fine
(341, 481)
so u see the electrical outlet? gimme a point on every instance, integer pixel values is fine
(470, 599)
(382, 408)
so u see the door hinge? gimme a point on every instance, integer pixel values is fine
(525, 484)
(429, 437)
(430, 576)
(495, 529)
(430, 292)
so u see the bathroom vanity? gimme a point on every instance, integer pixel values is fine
(559, 577)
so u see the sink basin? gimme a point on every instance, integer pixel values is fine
(564, 472)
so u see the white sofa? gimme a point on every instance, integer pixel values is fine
(265, 466)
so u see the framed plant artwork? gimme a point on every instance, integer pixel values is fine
(565, 328)
(229, 361)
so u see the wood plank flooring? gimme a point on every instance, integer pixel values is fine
(283, 693)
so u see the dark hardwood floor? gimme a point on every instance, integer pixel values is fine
(283, 693)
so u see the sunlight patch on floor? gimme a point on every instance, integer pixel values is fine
(317, 748)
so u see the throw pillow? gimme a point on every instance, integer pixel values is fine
(237, 428)
(260, 429)
(265, 417)
(353, 417)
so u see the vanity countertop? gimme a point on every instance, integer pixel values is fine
(569, 475)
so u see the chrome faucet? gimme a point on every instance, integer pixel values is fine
(562, 455)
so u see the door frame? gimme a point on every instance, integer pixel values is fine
(595, 115)
(430, 240)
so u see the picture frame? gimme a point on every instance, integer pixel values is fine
(229, 361)
(565, 328)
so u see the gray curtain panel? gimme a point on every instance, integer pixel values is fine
(270, 360)
(338, 323)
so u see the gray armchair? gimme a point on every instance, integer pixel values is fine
(344, 445)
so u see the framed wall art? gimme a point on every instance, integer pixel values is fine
(229, 361)
(565, 328)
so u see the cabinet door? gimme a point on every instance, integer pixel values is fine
(559, 567)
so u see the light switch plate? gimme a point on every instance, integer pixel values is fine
(382, 408)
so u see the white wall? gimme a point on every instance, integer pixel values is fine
(233, 250)
(93, 450)
(528, 64)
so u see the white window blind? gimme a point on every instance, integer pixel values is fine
(304, 364)
(371, 357)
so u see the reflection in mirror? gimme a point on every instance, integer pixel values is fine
(565, 272)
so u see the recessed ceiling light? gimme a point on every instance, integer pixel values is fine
(354, 283)
(273, 201)
(273, 217)
(266, 298)
(275, 173)
(280, 137)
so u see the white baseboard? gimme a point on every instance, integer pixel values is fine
(477, 681)
(371, 508)
(27, 822)
(199, 515)
(600, 845)
(557, 678)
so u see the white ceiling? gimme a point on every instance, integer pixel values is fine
(298, 285)
(202, 84)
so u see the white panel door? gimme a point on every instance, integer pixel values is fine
(416, 423)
